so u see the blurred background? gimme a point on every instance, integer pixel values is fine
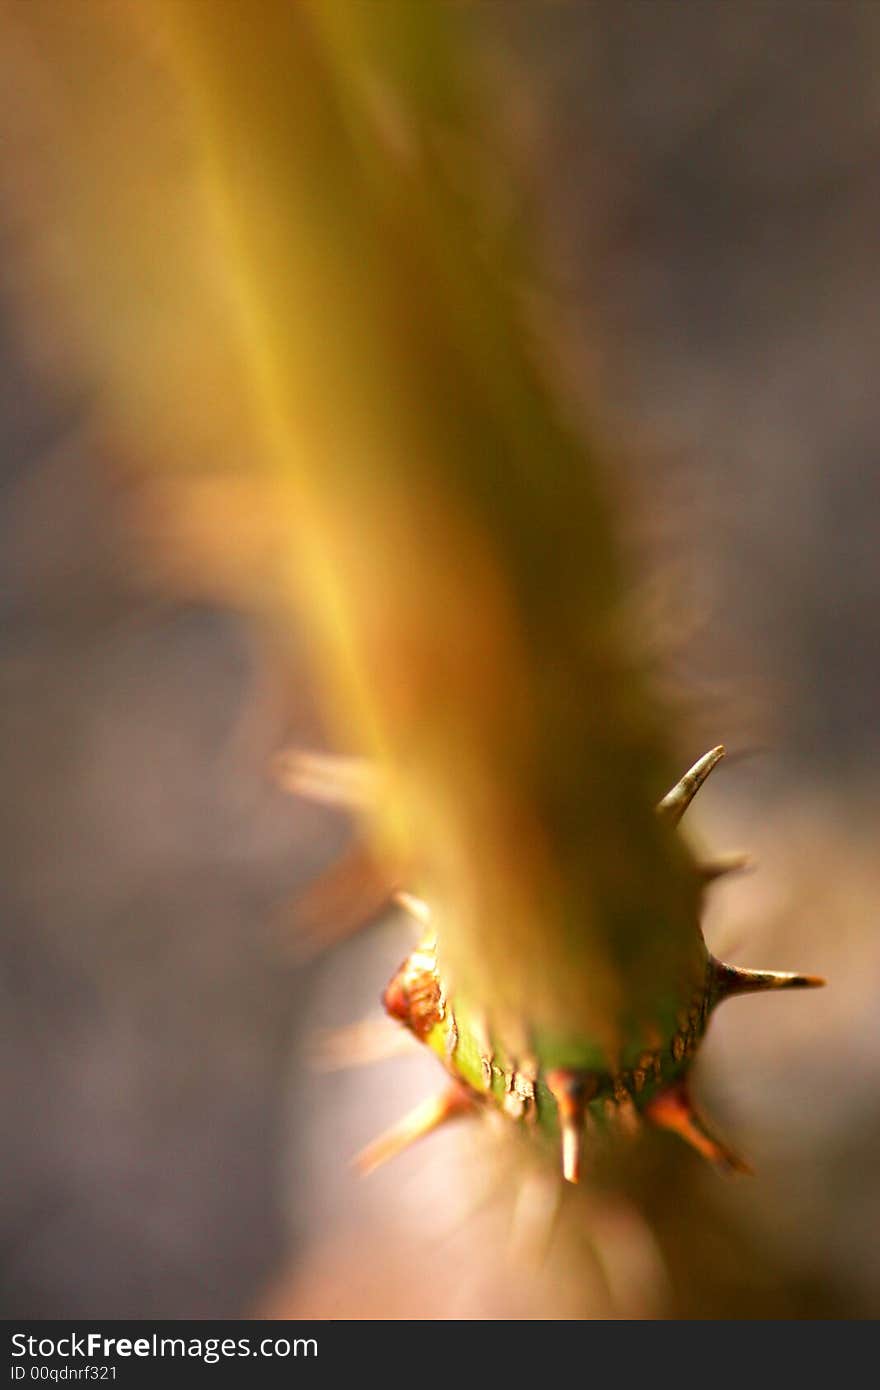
(703, 183)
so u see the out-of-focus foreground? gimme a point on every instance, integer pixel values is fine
(703, 184)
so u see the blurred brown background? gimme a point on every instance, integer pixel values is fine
(706, 186)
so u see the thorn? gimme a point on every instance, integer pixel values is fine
(673, 1109)
(571, 1090)
(350, 895)
(430, 1115)
(733, 863)
(414, 907)
(676, 802)
(360, 1044)
(731, 979)
(328, 778)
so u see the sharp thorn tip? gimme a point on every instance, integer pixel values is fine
(673, 1109)
(732, 979)
(427, 1117)
(676, 802)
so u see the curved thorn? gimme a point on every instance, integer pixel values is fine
(676, 802)
(430, 1115)
(732, 979)
(674, 1110)
(733, 863)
